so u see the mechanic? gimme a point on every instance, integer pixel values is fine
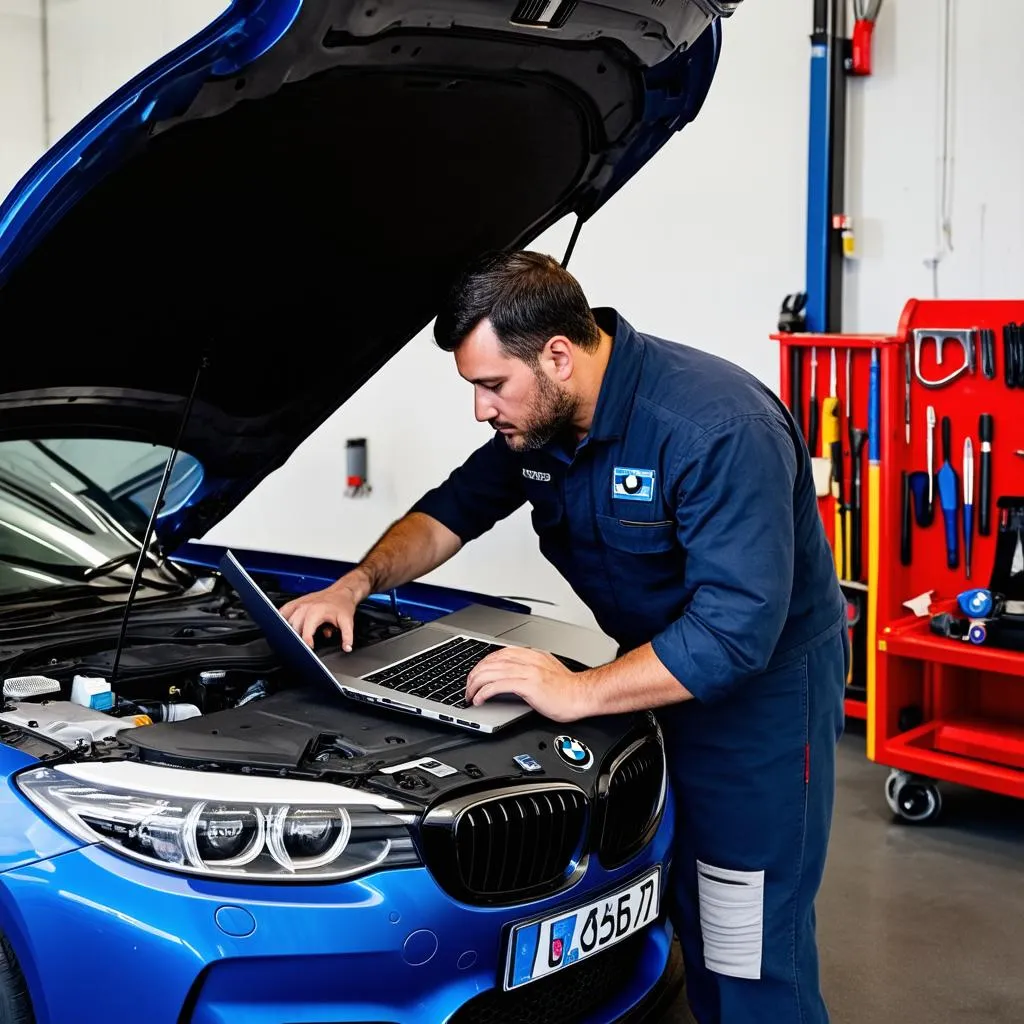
(674, 493)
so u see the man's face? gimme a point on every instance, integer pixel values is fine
(522, 402)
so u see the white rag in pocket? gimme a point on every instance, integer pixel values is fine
(731, 920)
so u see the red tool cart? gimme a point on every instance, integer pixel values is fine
(938, 668)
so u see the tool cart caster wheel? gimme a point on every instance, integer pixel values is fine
(911, 798)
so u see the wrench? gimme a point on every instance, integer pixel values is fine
(940, 336)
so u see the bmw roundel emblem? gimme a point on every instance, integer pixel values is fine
(574, 753)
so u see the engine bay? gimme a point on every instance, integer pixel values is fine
(199, 688)
(185, 658)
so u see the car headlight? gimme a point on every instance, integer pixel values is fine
(225, 826)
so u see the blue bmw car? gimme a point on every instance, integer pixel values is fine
(192, 831)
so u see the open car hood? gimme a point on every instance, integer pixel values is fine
(274, 209)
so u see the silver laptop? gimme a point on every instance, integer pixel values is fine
(422, 672)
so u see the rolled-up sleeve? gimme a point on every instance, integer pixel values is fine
(485, 489)
(735, 521)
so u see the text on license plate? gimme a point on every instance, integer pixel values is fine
(542, 947)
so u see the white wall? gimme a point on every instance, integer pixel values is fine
(91, 48)
(21, 89)
(894, 159)
(701, 246)
(97, 45)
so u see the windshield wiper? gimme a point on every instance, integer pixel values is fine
(80, 580)
(107, 567)
(67, 572)
(182, 578)
(53, 595)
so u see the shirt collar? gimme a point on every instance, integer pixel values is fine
(618, 388)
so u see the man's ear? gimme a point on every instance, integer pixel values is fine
(558, 355)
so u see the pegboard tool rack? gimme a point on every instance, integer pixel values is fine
(936, 708)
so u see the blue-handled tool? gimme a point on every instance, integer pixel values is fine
(949, 495)
(968, 502)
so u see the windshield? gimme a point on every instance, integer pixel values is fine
(71, 506)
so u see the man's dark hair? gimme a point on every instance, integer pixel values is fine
(528, 298)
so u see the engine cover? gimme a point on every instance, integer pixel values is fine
(311, 733)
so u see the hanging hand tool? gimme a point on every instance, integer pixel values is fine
(796, 387)
(1013, 356)
(985, 424)
(949, 487)
(905, 520)
(940, 337)
(849, 394)
(931, 461)
(968, 502)
(906, 392)
(821, 459)
(924, 510)
(832, 448)
(848, 509)
(856, 448)
(812, 411)
(987, 342)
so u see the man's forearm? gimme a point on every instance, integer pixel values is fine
(635, 682)
(410, 548)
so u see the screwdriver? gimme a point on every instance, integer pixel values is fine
(931, 459)
(968, 502)
(850, 432)
(795, 387)
(985, 424)
(812, 411)
(856, 520)
(949, 487)
(906, 392)
(831, 448)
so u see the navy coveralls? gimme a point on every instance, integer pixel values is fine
(687, 519)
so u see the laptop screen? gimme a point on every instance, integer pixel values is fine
(280, 635)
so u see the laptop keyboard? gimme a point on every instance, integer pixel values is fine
(438, 674)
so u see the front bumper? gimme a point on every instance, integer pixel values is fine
(101, 938)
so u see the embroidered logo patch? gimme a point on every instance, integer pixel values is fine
(536, 474)
(633, 484)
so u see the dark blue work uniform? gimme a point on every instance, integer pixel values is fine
(687, 519)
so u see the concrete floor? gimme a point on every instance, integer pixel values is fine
(920, 925)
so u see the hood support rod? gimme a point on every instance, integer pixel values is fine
(572, 241)
(204, 362)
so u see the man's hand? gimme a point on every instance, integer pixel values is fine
(410, 548)
(334, 607)
(539, 678)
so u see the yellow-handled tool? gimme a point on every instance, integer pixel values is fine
(832, 449)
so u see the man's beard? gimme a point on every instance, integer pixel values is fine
(551, 412)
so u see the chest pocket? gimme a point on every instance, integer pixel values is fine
(546, 501)
(637, 536)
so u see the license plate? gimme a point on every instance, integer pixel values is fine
(539, 948)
